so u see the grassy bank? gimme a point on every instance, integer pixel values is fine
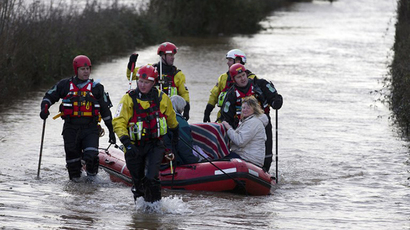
(400, 69)
(39, 41)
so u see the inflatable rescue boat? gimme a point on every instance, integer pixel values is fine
(233, 175)
(212, 174)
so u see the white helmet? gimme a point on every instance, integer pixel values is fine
(236, 53)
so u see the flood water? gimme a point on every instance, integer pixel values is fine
(341, 163)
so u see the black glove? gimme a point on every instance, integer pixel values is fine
(112, 139)
(175, 136)
(133, 59)
(131, 149)
(207, 113)
(277, 104)
(44, 110)
(186, 111)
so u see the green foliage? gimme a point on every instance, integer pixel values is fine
(38, 42)
(212, 17)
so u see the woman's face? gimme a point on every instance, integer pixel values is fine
(246, 110)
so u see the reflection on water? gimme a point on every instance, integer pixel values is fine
(340, 163)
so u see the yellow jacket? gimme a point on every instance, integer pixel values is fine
(125, 111)
(217, 89)
(179, 80)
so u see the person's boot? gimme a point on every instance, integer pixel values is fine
(74, 171)
(137, 191)
(91, 164)
(152, 190)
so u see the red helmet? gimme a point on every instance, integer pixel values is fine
(148, 72)
(167, 48)
(80, 61)
(236, 69)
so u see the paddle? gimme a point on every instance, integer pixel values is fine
(41, 145)
(236, 181)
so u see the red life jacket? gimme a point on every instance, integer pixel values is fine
(80, 102)
(256, 92)
(149, 123)
(239, 96)
(229, 83)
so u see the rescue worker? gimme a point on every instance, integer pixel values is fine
(142, 119)
(84, 104)
(262, 90)
(171, 79)
(224, 83)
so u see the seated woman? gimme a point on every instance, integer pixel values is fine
(248, 139)
(183, 153)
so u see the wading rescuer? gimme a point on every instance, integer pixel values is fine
(263, 91)
(171, 79)
(224, 83)
(142, 118)
(84, 104)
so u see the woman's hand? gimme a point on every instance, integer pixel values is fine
(226, 124)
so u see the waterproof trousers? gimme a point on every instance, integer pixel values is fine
(269, 146)
(81, 143)
(144, 169)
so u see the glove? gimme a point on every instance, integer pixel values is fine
(44, 110)
(186, 111)
(169, 155)
(131, 149)
(112, 139)
(207, 113)
(175, 136)
(133, 59)
(277, 104)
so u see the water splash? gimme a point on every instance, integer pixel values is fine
(167, 205)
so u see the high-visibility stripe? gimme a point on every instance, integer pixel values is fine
(91, 149)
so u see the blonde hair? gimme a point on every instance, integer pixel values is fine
(254, 104)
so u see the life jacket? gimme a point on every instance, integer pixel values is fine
(229, 83)
(256, 92)
(167, 84)
(80, 102)
(149, 123)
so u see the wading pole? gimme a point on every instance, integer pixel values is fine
(276, 121)
(41, 145)
(132, 72)
(160, 73)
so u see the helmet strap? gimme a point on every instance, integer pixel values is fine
(164, 59)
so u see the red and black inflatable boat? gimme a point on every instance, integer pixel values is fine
(234, 175)
(215, 174)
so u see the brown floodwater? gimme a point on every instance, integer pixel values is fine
(341, 164)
